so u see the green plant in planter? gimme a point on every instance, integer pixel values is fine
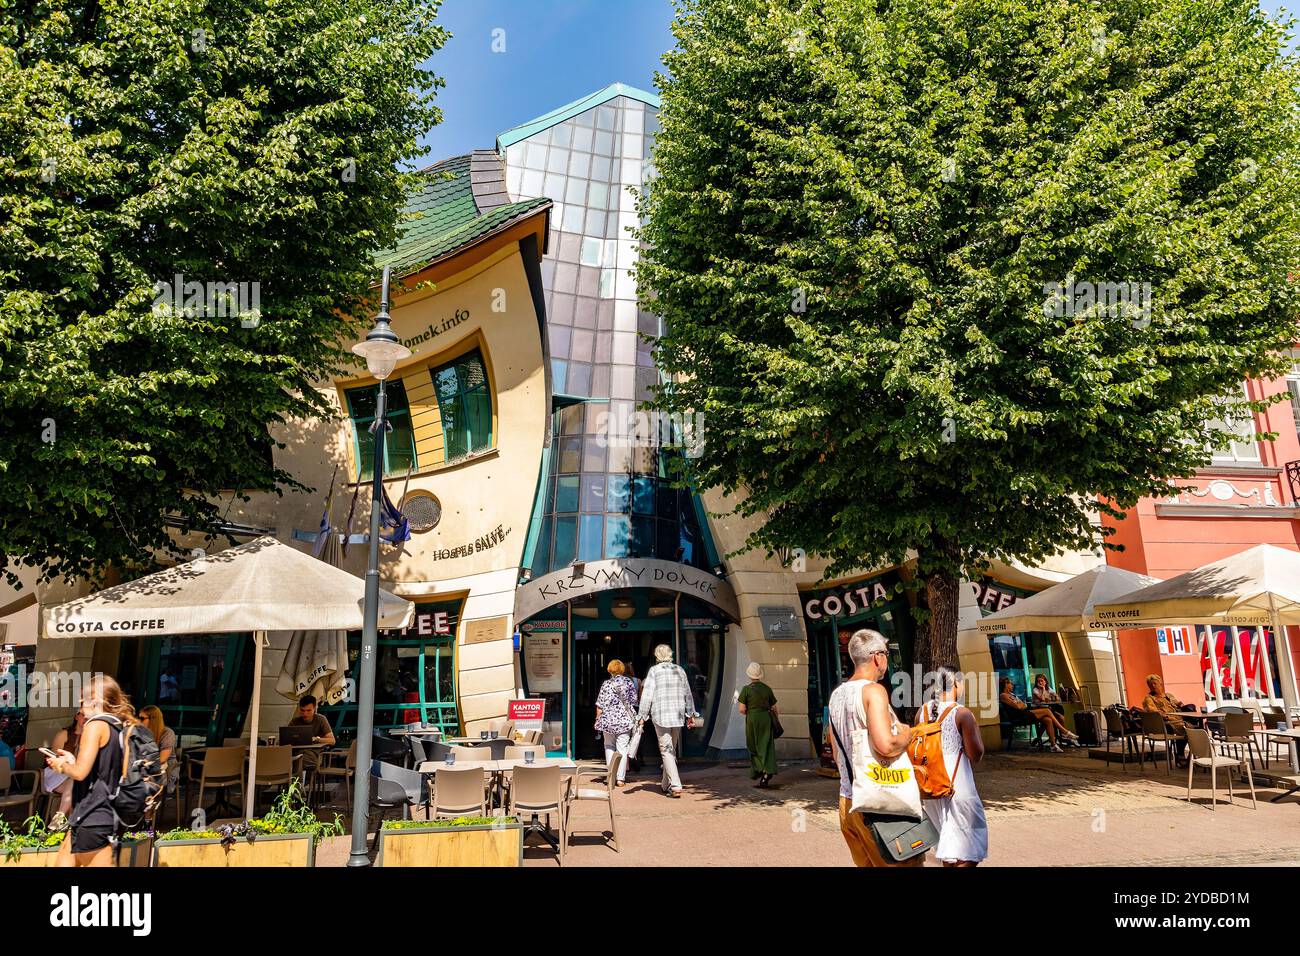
(457, 822)
(34, 835)
(289, 814)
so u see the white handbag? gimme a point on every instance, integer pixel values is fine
(886, 786)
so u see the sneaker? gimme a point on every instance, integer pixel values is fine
(58, 823)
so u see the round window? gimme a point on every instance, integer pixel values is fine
(422, 510)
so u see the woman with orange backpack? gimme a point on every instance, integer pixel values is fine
(949, 796)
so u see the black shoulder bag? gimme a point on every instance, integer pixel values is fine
(899, 838)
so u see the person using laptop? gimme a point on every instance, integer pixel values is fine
(309, 716)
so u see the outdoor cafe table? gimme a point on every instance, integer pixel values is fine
(1292, 737)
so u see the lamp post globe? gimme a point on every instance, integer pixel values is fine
(382, 350)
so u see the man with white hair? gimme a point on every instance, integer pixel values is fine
(862, 702)
(666, 699)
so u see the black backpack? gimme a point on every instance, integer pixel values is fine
(140, 787)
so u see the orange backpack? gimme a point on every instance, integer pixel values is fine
(925, 750)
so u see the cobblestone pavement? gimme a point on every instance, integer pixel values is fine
(1043, 810)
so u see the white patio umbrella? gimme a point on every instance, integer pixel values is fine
(1260, 586)
(1070, 606)
(260, 586)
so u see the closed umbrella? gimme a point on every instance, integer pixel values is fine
(316, 662)
(1259, 586)
(1069, 607)
(260, 586)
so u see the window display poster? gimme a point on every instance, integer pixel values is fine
(544, 662)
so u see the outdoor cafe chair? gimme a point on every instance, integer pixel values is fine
(1203, 755)
(467, 753)
(540, 791)
(330, 769)
(418, 754)
(518, 751)
(276, 767)
(1156, 730)
(390, 750)
(220, 768)
(597, 783)
(459, 791)
(393, 786)
(235, 742)
(1270, 719)
(1238, 731)
(1127, 738)
(19, 788)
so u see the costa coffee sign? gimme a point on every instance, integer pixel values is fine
(990, 597)
(848, 601)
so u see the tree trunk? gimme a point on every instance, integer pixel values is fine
(942, 599)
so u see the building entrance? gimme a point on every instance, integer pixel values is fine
(592, 652)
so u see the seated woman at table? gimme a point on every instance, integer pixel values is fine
(1041, 715)
(1160, 701)
(168, 752)
(1044, 696)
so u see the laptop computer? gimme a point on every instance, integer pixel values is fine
(291, 734)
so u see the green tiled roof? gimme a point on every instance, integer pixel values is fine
(442, 216)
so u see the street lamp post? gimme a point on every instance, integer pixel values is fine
(382, 350)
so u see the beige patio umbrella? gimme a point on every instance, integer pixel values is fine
(1260, 586)
(1069, 607)
(260, 586)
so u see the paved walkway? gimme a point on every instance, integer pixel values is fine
(1043, 810)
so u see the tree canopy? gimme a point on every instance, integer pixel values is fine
(191, 196)
(941, 274)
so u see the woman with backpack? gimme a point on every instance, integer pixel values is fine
(959, 817)
(94, 769)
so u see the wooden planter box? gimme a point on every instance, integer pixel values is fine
(281, 849)
(135, 853)
(41, 857)
(482, 845)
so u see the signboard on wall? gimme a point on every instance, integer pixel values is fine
(544, 662)
(591, 577)
(850, 600)
(780, 623)
(484, 630)
(991, 596)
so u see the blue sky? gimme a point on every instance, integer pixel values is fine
(555, 52)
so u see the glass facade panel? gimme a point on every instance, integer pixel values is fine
(606, 498)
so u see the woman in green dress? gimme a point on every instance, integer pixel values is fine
(758, 704)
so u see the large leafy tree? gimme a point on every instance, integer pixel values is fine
(861, 213)
(224, 141)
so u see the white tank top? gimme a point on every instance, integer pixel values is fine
(847, 715)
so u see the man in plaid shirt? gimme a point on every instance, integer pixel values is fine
(666, 699)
